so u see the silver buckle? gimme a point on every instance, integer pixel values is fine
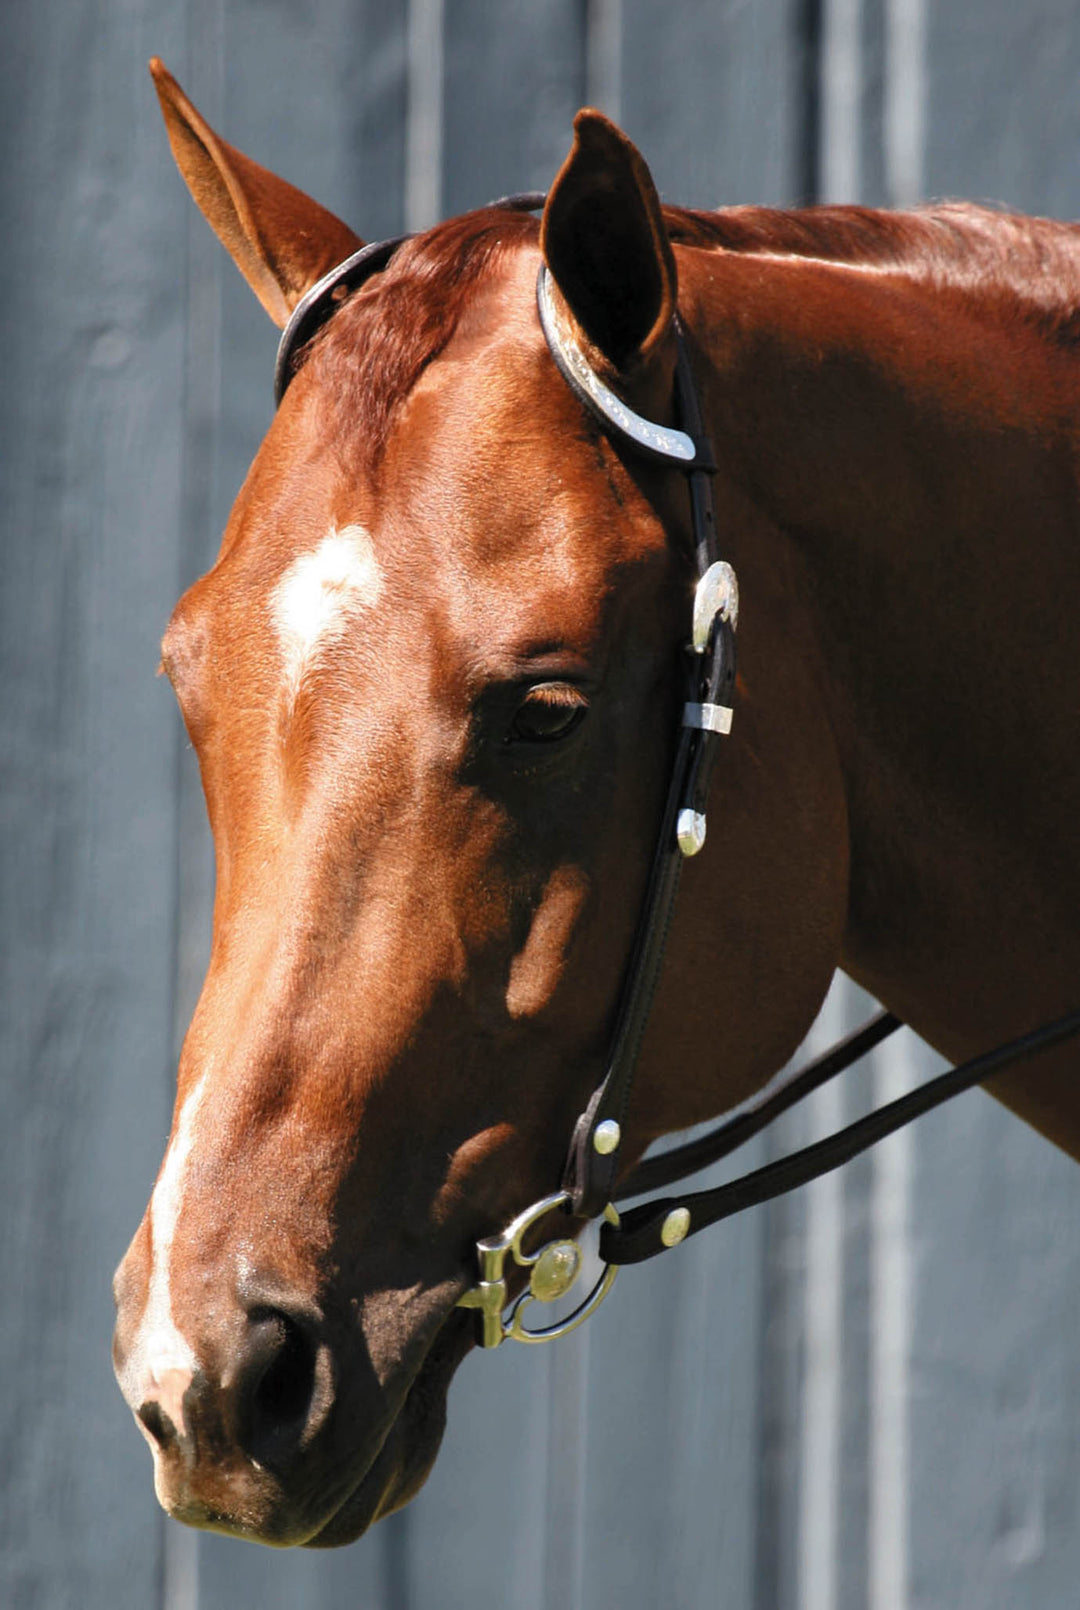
(717, 593)
(553, 1270)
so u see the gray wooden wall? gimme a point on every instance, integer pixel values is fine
(866, 1396)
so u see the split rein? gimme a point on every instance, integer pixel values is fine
(590, 1186)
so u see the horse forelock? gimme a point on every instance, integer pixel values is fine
(369, 356)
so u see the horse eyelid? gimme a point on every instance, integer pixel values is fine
(559, 699)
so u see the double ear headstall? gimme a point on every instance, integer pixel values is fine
(592, 1166)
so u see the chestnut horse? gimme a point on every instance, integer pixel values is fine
(431, 682)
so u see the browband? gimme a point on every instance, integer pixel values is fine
(321, 302)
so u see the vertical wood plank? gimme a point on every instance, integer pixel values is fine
(91, 421)
(995, 1462)
(995, 1373)
(514, 77)
(710, 94)
(1002, 117)
(673, 1428)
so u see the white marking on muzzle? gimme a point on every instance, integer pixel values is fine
(319, 593)
(162, 1359)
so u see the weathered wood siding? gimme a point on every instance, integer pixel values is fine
(865, 1396)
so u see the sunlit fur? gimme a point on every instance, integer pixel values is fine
(423, 918)
(369, 356)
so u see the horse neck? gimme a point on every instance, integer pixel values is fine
(909, 458)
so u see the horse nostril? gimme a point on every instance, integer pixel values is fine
(156, 1422)
(284, 1391)
(278, 1387)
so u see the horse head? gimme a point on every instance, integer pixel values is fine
(432, 685)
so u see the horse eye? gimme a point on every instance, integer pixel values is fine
(549, 711)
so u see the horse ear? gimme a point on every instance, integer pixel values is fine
(604, 240)
(280, 240)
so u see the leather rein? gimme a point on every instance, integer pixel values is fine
(590, 1186)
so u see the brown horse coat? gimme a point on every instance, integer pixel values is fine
(431, 685)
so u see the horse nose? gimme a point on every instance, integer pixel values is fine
(272, 1394)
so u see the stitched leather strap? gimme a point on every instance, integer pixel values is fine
(639, 1234)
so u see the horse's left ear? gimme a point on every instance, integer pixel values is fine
(279, 239)
(604, 240)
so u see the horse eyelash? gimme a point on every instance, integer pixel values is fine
(563, 694)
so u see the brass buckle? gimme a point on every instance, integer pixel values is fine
(553, 1270)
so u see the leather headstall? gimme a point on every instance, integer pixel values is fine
(590, 1185)
(709, 674)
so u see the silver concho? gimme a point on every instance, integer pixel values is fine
(555, 1271)
(717, 593)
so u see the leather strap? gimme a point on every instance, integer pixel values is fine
(590, 1173)
(755, 1115)
(322, 301)
(639, 1234)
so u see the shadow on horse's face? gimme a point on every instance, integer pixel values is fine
(416, 697)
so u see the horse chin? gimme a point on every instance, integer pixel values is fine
(408, 1452)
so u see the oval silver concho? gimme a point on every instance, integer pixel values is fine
(555, 1271)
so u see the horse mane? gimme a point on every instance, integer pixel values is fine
(370, 355)
(954, 244)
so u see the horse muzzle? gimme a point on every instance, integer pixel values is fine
(274, 1424)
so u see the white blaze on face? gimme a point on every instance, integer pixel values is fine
(162, 1361)
(318, 595)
